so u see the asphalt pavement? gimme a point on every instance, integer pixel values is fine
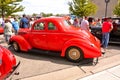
(106, 69)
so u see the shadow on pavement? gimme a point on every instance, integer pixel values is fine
(54, 57)
(114, 46)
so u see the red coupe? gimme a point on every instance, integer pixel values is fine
(56, 34)
(8, 66)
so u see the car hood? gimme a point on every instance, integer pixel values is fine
(24, 29)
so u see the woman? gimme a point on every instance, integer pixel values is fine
(76, 22)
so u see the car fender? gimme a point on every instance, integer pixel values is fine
(73, 42)
(23, 44)
(7, 61)
(89, 50)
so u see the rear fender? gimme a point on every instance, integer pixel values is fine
(23, 44)
(85, 45)
(73, 42)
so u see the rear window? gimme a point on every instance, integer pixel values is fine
(67, 24)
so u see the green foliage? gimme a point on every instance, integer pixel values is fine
(82, 7)
(34, 14)
(116, 10)
(46, 15)
(9, 7)
(57, 15)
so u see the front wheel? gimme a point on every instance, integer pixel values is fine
(16, 46)
(74, 54)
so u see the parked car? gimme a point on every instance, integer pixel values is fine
(57, 35)
(1, 30)
(8, 65)
(114, 35)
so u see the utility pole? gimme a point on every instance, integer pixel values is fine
(106, 1)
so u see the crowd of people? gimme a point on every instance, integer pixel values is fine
(11, 25)
(87, 22)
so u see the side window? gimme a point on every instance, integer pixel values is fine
(39, 26)
(51, 26)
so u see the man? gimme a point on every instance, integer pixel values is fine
(106, 29)
(15, 25)
(85, 24)
(24, 22)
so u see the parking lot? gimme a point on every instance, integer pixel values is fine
(34, 63)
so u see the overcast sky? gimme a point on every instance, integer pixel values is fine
(46, 6)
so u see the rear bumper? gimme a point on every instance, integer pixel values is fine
(13, 72)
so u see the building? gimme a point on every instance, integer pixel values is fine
(102, 7)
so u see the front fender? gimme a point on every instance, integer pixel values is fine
(7, 61)
(85, 45)
(23, 44)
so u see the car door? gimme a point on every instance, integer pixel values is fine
(54, 37)
(38, 36)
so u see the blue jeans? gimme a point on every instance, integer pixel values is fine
(105, 39)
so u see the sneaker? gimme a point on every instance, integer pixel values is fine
(103, 50)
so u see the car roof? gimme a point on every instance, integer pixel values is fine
(51, 18)
(59, 20)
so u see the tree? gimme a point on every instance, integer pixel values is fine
(34, 14)
(8, 7)
(58, 15)
(46, 14)
(82, 7)
(116, 10)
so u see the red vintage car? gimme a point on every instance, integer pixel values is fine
(56, 34)
(8, 65)
(1, 30)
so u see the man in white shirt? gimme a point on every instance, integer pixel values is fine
(85, 24)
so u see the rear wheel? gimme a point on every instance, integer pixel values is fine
(16, 46)
(74, 54)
